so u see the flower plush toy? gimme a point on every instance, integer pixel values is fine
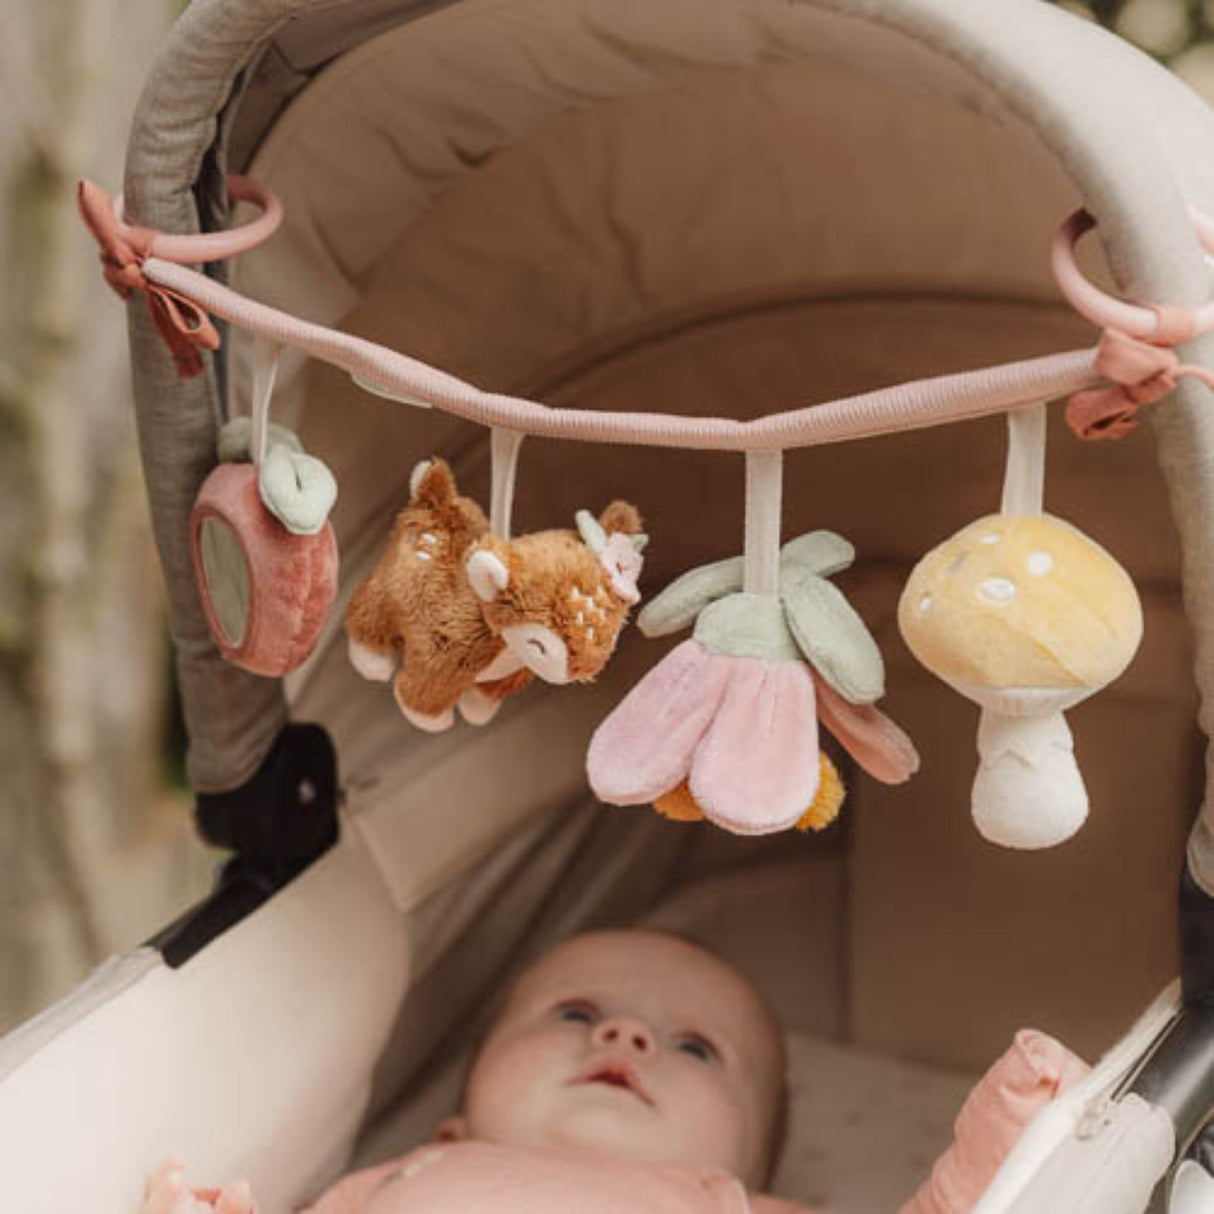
(726, 725)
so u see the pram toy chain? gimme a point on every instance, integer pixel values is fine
(181, 301)
(721, 728)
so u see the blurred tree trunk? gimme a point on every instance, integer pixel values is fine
(81, 639)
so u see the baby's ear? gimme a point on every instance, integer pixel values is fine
(453, 1129)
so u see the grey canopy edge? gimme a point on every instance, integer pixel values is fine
(1135, 174)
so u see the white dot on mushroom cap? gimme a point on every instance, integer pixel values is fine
(997, 589)
(1040, 563)
(925, 602)
(991, 537)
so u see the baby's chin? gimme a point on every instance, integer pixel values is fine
(601, 1128)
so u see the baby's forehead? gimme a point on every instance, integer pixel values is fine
(656, 970)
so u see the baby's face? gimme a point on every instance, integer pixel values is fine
(636, 1044)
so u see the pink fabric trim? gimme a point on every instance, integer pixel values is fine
(1035, 1070)
(292, 578)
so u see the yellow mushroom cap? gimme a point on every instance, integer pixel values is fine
(1021, 601)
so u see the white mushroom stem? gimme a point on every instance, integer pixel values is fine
(1028, 792)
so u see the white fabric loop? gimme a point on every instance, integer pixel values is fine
(764, 499)
(265, 372)
(1024, 480)
(503, 454)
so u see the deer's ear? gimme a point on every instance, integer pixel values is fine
(431, 483)
(591, 531)
(487, 574)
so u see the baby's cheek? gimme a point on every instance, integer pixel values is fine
(510, 1092)
(714, 1119)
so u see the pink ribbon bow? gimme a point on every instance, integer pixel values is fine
(184, 326)
(1141, 374)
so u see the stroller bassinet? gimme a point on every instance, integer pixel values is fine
(704, 207)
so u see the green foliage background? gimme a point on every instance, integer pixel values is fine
(1191, 22)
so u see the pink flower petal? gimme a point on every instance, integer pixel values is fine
(644, 747)
(878, 744)
(756, 771)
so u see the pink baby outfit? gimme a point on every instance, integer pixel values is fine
(484, 1178)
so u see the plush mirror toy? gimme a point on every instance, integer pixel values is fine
(265, 554)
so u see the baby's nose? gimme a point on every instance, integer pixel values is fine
(619, 1032)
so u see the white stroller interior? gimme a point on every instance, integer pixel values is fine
(723, 208)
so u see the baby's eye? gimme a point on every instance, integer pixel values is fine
(577, 1011)
(698, 1047)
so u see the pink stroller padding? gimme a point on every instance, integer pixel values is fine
(1035, 1069)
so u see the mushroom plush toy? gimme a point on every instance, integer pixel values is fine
(1026, 616)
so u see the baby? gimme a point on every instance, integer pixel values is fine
(627, 1071)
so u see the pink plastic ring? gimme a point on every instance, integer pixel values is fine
(1166, 325)
(216, 246)
(266, 593)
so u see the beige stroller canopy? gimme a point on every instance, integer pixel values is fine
(708, 209)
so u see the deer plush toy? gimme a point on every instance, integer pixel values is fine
(471, 618)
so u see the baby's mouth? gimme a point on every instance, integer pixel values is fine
(615, 1073)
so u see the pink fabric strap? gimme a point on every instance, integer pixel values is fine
(185, 328)
(180, 300)
(909, 406)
